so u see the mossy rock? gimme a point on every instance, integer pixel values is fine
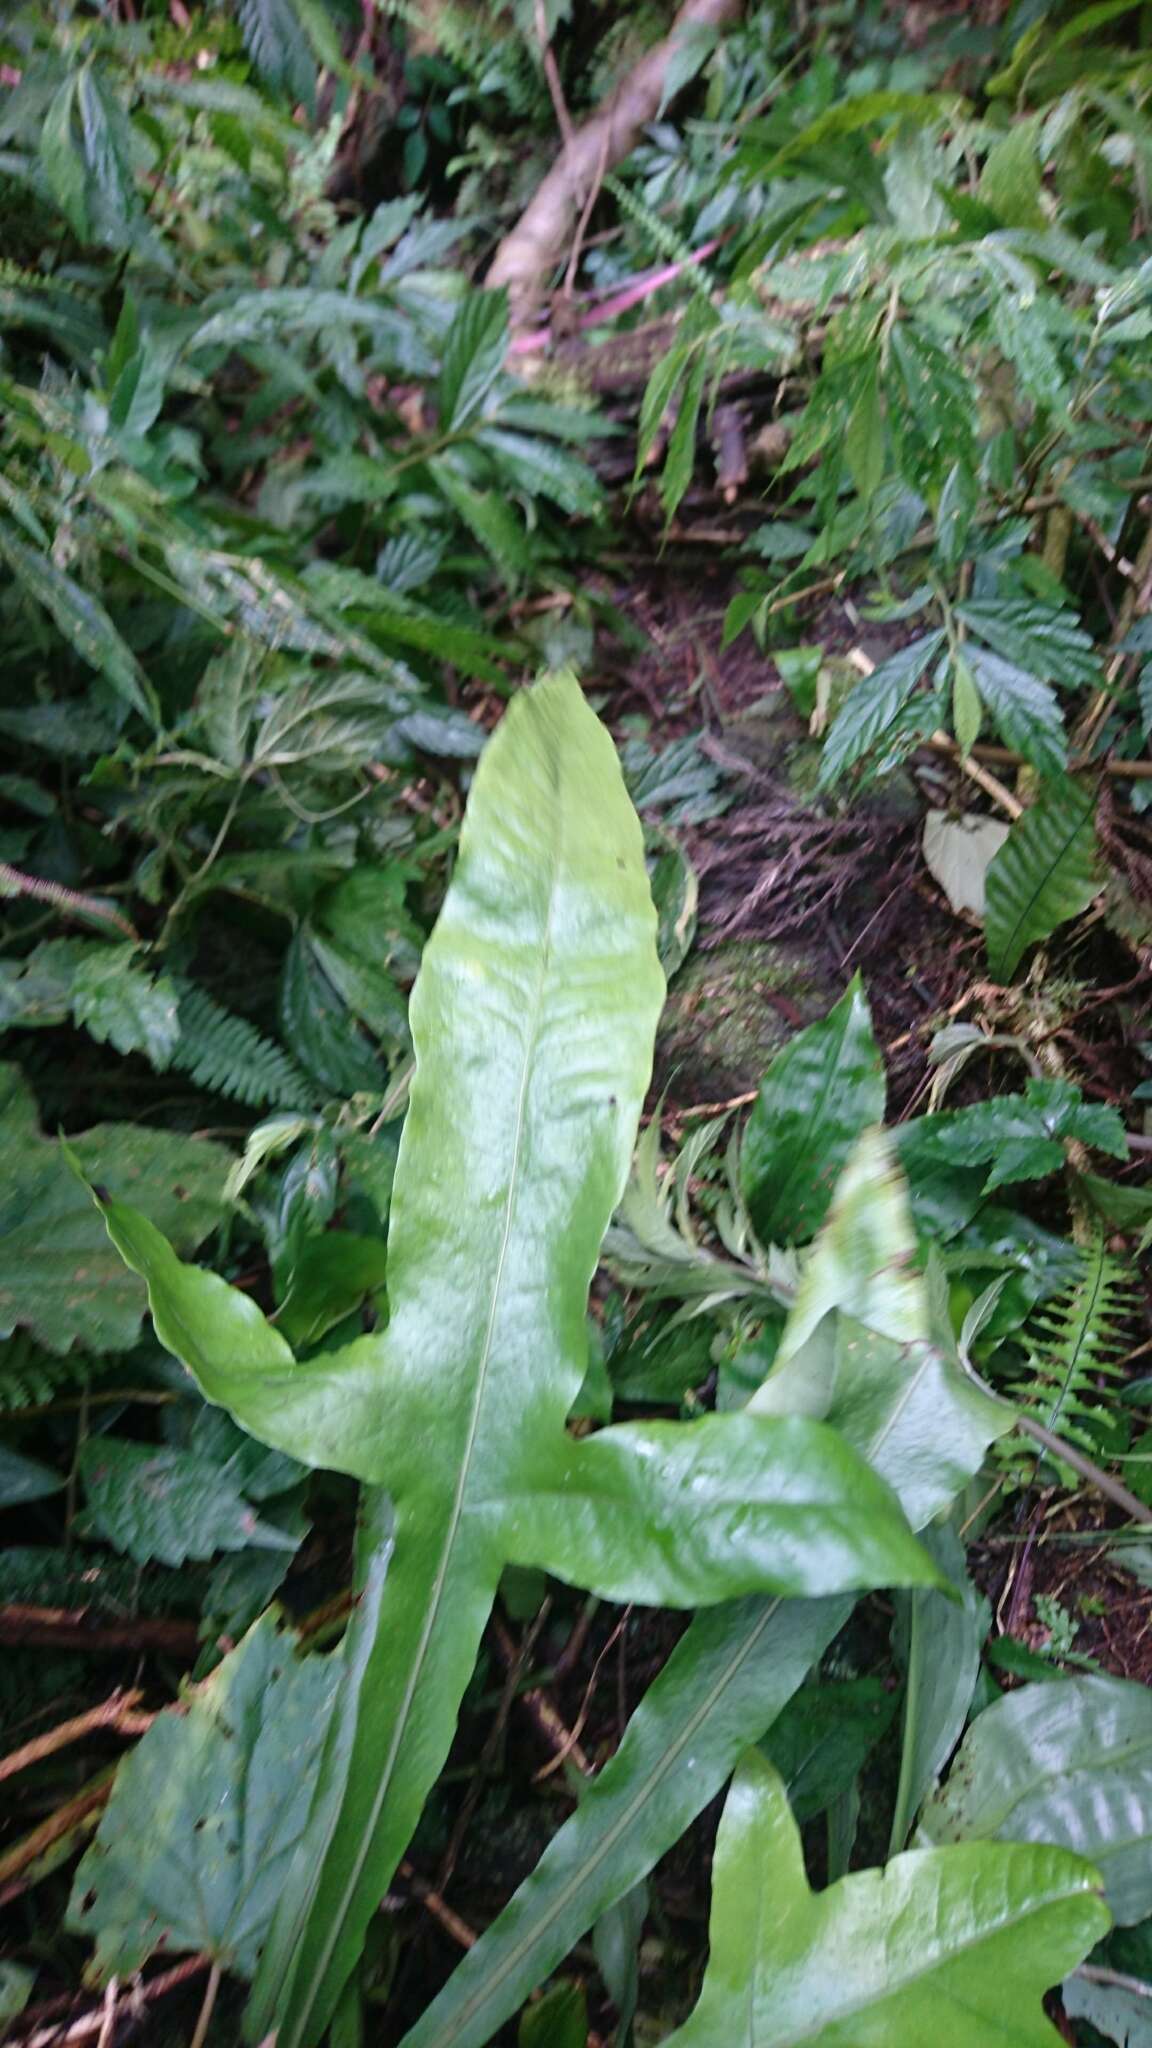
(729, 1010)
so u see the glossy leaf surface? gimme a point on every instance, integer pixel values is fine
(923, 1426)
(956, 1946)
(684, 1514)
(1068, 1763)
(533, 1020)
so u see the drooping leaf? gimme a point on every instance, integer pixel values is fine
(818, 1095)
(1068, 1763)
(957, 1945)
(873, 705)
(207, 1811)
(940, 1640)
(279, 47)
(24, 1479)
(1023, 708)
(1045, 873)
(318, 1027)
(81, 618)
(59, 1277)
(823, 1737)
(63, 159)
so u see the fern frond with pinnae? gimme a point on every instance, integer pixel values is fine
(1074, 1349)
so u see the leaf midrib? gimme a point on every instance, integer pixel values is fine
(455, 1516)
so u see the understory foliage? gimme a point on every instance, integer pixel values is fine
(382, 1360)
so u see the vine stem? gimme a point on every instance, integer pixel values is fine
(14, 882)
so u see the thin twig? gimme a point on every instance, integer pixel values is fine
(108, 2017)
(1135, 1509)
(463, 1935)
(115, 1712)
(570, 1746)
(64, 1628)
(90, 2023)
(1095, 1973)
(207, 2008)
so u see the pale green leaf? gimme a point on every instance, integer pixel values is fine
(1068, 1763)
(950, 1945)
(958, 852)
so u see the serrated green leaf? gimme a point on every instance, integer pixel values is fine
(1070, 1764)
(1047, 642)
(1020, 1137)
(207, 1811)
(474, 350)
(486, 515)
(125, 1006)
(535, 466)
(58, 1275)
(165, 1505)
(1025, 709)
(955, 1945)
(279, 47)
(316, 1024)
(110, 187)
(82, 620)
(873, 706)
(1010, 181)
(1045, 873)
(864, 435)
(819, 1093)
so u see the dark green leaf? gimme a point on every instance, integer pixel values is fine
(1024, 709)
(207, 1812)
(820, 1092)
(1045, 873)
(168, 1505)
(873, 706)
